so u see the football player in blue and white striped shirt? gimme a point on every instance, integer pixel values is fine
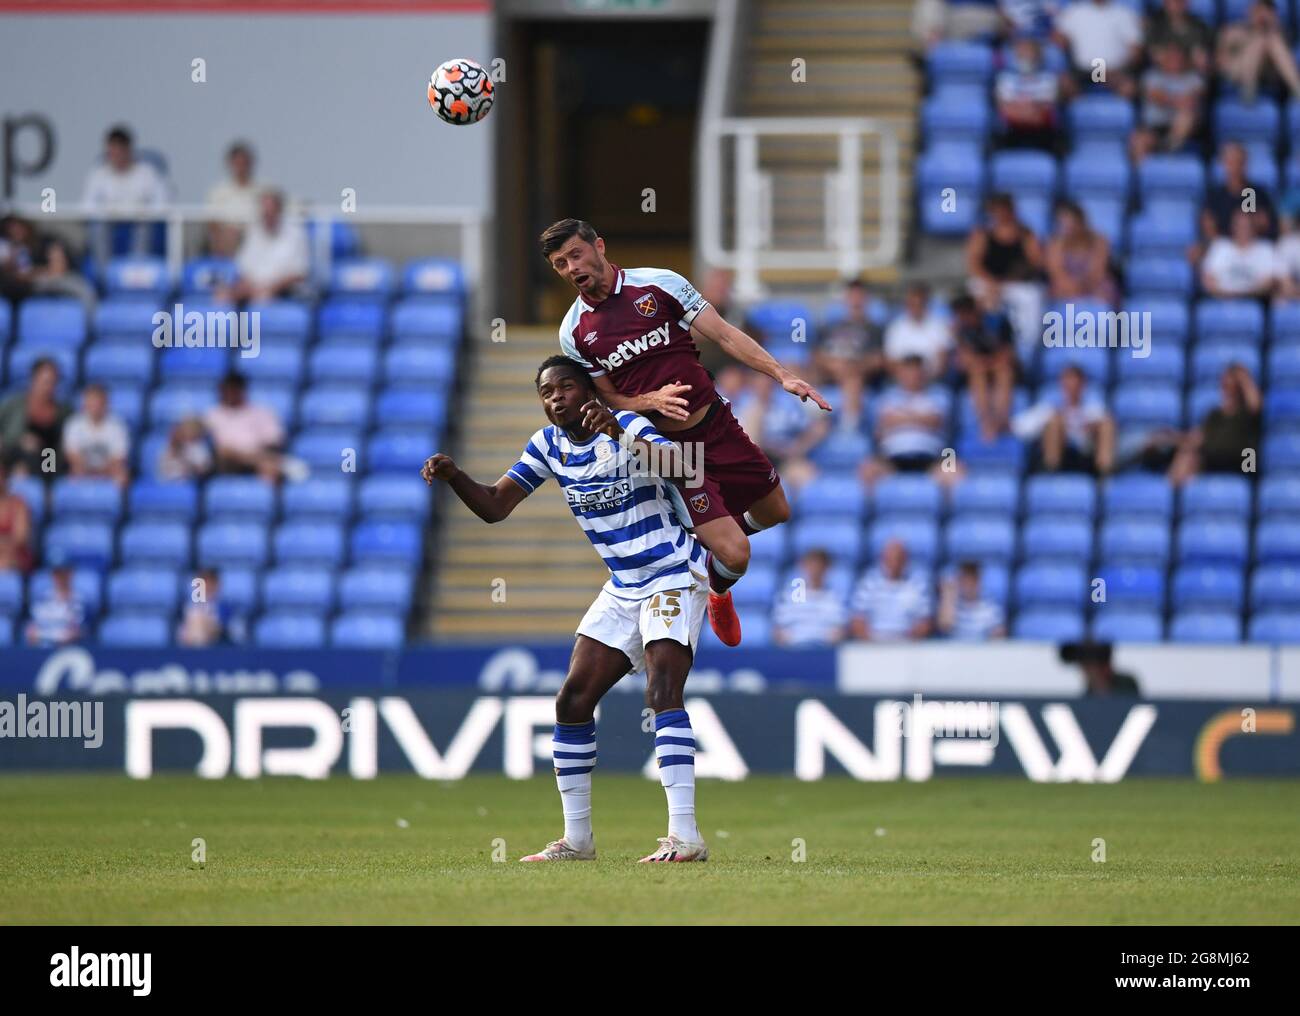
(610, 469)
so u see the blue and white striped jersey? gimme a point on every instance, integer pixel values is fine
(634, 519)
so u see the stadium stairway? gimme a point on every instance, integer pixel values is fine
(533, 575)
(858, 64)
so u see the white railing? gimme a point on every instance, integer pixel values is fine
(751, 199)
(468, 222)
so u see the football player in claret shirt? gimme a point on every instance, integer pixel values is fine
(633, 329)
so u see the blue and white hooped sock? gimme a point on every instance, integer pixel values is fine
(574, 750)
(675, 753)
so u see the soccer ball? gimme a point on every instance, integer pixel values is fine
(460, 91)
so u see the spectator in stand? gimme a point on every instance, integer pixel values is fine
(31, 264)
(1219, 444)
(188, 455)
(1027, 95)
(235, 198)
(61, 617)
(1288, 263)
(787, 430)
(918, 332)
(810, 614)
(124, 184)
(1005, 262)
(247, 437)
(1104, 40)
(15, 528)
(96, 441)
(986, 353)
(1174, 23)
(1078, 259)
(889, 604)
(1245, 265)
(1172, 96)
(1028, 17)
(1253, 54)
(1075, 432)
(209, 620)
(933, 21)
(965, 613)
(1223, 200)
(31, 424)
(272, 261)
(909, 425)
(849, 353)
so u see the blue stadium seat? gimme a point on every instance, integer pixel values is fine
(1127, 584)
(143, 588)
(1127, 626)
(32, 490)
(391, 589)
(1161, 231)
(397, 450)
(1061, 495)
(368, 631)
(1160, 276)
(950, 188)
(85, 499)
(1024, 174)
(1005, 454)
(1277, 540)
(1279, 496)
(239, 497)
(995, 494)
(1145, 405)
(1275, 627)
(155, 542)
(403, 497)
(1284, 324)
(363, 277)
(1171, 177)
(1166, 364)
(299, 588)
(1059, 539)
(1275, 586)
(6, 323)
(171, 404)
(842, 539)
(238, 588)
(839, 580)
(1216, 495)
(919, 536)
(322, 496)
(903, 494)
(58, 322)
(1208, 585)
(1107, 216)
(289, 631)
(81, 544)
(386, 541)
(1282, 409)
(1100, 117)
(1214, 541)
(411, 407)
(313, 541)
(116, 362)
(143, 631)
(1259, 121)
(323, 448)
(433, 277)
(137, 276)
(335, 405)
(1210, 361)
(760, 585)
(282, 321)
(1046, 625)
(1205, 626)
(960, 62)
(126, 321)
(421, 319)
(1134, 540)
(343, 238)
(1230, 321)
(1284, 365)
(203, 275)
(956, 115)
(980, 538)
(350, 321)
(1086, 175)
(282, 364)
(356, 365)
(1281, 453)
(1052, 583)
(171, 500)
(199, 363)
(418, 365)
(771, 546)
(1203, 398)
(223, 543)
(11, 593)
(841, 450)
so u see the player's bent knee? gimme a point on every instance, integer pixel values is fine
(575, 702)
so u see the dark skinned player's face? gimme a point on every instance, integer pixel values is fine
(563, 395)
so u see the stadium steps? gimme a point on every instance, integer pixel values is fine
(858, 65)
(533, 575)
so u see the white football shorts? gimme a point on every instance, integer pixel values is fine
(627, 625)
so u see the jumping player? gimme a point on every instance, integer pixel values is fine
(648, 614)
(633, 330)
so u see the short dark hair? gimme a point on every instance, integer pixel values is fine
(238, 148)
(970, 566)
(44, 361)
(234, 378)
(119, 134)
(557, 234)
(560, 360)
(963, 304)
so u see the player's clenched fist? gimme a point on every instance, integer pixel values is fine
(438, 467)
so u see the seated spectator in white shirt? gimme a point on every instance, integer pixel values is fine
(1104, 40)
(918, 332)
(889, 604)
(188, 455)
(95, 441)
(1243, 265)
(1027, 95)
(965, 613)
(247, 437)
(1074, 430)
(123, 183)
(208, 619)
(272, 260)
(810, 614)
(909, 424)
(60, 617)
(236, 198)
(1288, 265)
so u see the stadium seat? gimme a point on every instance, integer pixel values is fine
(324, 496)
(11, 593)
(81, 544)
(1087, 175)
(1281, 453)
(1166, 364)
(373, 278)
(950, 188)
(368, 631)
(1005, 454)
(761, 584)
(1160, 277)
(1147, 406)
(1049, 537)
(1051, 583)
(956, 115)
(1230, 321)
(284, 630)
(995, 494)
(841, 450)
(411, 407)
(323, 448)
(171, 404)
(222, 543)
(397, 450)
(314, 541)
(1161, 231)
(143, 588)
(1279, 496)
(903, 494)
(1127, 626)
(239, 497)
(1284, 323)
(126, 321)
(1171, 177)
(1061, 495)
(350, 321)
(203, 275)
(155, 542)
(299, 588)
(400, 497)
(22, 358)
(1275, 586)
(421, 319)
(281, 364)
(85, 499)
(919, 536)
(356, 365)
(433, 277)
(1275, 627)
(1125, 584)
(1282, 409)
(282, 321)
(1046, 625)
(842, 539)
(1210, 361)
(174, 500)
(1216, 495)
(386, 542)
(419, 365)
(335, 405)
(374, 588)
(137, 277)
(142, 631)
(1205, 626)
(1277, 540)
(1099, 117)
(1134, 540)
(980, 538)
(960, 62)
(1259, 121)
(115, 362)
(1207, 585)
(1284, 365)
(1215, 541)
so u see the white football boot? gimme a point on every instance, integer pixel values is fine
(559, 850)
(674, 848)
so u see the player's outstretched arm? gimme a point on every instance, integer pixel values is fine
(491, 504)
(709, 324)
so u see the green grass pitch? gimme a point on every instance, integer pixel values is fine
(105, 850)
